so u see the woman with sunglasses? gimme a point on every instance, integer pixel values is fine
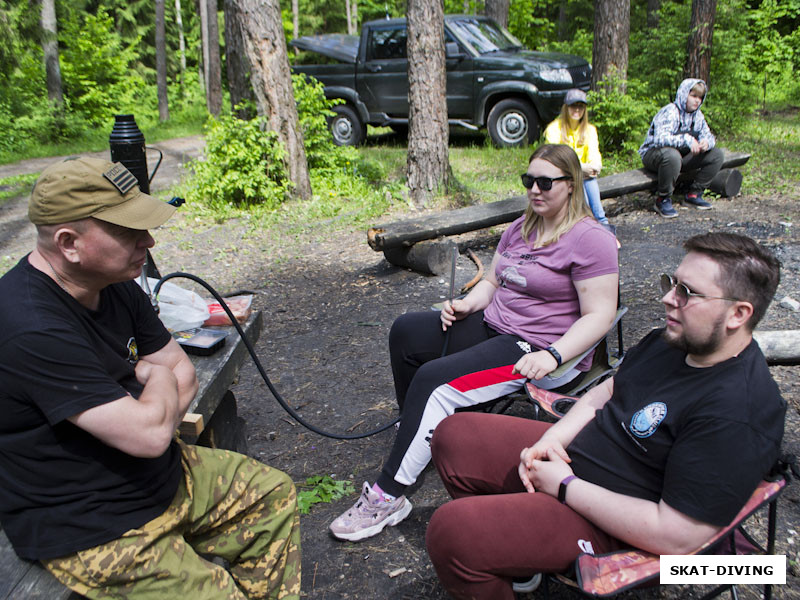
(572, 128)
(549, 295)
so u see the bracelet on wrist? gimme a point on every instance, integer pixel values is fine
(555, 354)
(562, 488)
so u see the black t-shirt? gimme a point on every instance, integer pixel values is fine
(62, 489)
(700, 439)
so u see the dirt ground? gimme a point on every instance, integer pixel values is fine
(328, 302)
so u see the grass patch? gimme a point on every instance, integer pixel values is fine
(97, 141)
(18, 185)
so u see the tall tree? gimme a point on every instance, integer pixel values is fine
(612, 19)
(562, 21)
(498, 10)
(50, 49)
(428, 135)
(236, 63)
(161, 63)
(701, 33)
(214, 70)
(653, 6)
(296, 23)
(261, 29)
(350, 29)
(181, 40)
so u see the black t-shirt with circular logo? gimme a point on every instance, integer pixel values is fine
(699, 438)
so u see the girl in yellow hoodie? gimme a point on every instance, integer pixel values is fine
(572, 128)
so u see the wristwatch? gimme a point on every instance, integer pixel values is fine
(554, 353)
(562, 488)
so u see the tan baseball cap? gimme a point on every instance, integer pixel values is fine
(83, 187)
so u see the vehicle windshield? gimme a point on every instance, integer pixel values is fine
(484, 36)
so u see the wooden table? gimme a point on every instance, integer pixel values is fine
(212, 421)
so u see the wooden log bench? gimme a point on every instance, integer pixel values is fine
(397, 239)
(211, 420)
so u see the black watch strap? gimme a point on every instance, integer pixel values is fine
(554, 353)
(562, 488)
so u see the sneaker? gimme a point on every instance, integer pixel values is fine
(528, 585)
(664, 207)
(697, 201)
(369, 515)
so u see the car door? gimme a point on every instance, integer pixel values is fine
(384, 80)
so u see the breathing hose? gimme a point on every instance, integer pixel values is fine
(262, 372)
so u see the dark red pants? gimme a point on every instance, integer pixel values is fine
(493, 530)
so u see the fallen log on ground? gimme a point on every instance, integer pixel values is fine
(780, 346)
(432, 257)
(409, 232)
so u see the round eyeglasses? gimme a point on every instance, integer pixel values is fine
(682, 293)
(545, 183)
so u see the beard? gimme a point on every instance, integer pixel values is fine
(695, 345)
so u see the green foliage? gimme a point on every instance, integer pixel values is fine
(621, 119)
(244, 164)
(321, 488)
(17, 185)
(94, 67)
(313, 109)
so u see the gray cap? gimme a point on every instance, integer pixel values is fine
(575, 96)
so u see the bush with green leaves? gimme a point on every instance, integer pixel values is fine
(313, 111)
(621, 119)
(95, 67)
(244, 164)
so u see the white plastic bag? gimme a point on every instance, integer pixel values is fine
(179, 309)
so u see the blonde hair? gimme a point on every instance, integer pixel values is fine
(564, 158)
(700, 88)
(583, 123)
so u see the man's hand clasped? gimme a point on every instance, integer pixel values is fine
(543, 466)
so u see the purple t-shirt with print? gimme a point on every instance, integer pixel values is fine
(536, 299)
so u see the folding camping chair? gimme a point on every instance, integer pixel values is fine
(606, 575)
(604, 361)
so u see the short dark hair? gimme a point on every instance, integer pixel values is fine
(748, 271)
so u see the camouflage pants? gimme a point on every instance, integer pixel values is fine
(228, 506)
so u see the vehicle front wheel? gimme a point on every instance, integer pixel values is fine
(513, 122)
(346, 128)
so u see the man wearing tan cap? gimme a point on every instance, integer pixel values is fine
(93, 482)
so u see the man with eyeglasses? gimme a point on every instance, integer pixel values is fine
(660, 457)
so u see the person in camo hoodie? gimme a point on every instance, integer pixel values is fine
(679, 140)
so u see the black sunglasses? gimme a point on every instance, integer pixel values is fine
(682, 293)
(545, 183)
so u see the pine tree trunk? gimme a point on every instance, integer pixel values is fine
(214, 72)
(610, 47)
(181, 39)
(52, 67)
(653, 6)
(701, 33)
(498, 10)
(236, 63)
(261, 30)
(161, 63)
(562, 20)
(296, 22)
(428, 135)
(203, 10)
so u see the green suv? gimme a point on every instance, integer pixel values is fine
(492, 80)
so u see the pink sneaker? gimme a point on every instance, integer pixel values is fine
(369, 515)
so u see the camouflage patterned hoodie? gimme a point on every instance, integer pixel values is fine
(673, 126)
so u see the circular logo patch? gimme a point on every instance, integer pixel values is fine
(645, 421)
